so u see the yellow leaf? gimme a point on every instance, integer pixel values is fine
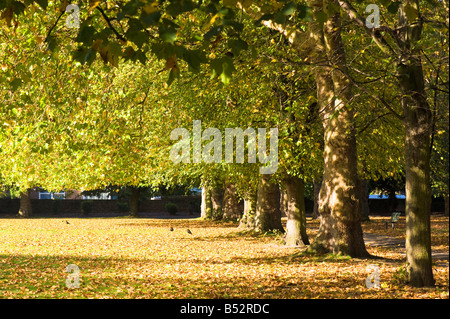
(213, 19)
(171, 64)
(93, 4)
(7, 15)
(150, 8)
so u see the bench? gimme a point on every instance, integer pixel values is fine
(394, 219)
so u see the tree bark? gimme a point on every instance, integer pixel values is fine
(418, 124)
(231, 209)
(417, 169)
(268, 214)
(445, 205)
(134, 201)
(206, 206)
(296, 213)
(248, 217)
(217, 195)
(25, 209)
(316, 189)
(283, 201)
(340, 228)
(364, 208)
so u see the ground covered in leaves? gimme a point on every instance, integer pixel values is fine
(142, 258)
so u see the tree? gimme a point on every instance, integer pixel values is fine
(340, 228)
(296, 221)
(403, 47)
(209, 33)
(268, 214)
(231, 209)
(25, 209)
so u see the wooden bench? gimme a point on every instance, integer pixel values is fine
(394, 219)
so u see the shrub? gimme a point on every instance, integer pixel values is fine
(86, 207)
(171, 208)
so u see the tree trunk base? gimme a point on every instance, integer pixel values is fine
(337, 238)
(25, 209)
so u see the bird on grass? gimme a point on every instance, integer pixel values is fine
(189, 231)
(171, 228)
(67, 222)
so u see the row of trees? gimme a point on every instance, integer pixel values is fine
(351, 103)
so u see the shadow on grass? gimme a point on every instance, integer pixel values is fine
(25, 276)
(180, 223)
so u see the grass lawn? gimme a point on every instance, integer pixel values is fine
(142, 258)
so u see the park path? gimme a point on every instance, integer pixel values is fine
(375, 240)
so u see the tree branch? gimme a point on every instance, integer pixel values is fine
(372, 121)
(53, 26)
(375, 34)
(108, 21)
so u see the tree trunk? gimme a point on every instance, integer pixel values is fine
(25, 209)
(316, 186)
(283, 201)
(445, 205)
(231, 209)
(392, 201)
(268, 214)
(418, 198)
(418, 124)
(206, 206)
(418, 193)
(134, 201)
(340, 228)
(296, 218)
(217, 194)
(248, 217)
(364, 197)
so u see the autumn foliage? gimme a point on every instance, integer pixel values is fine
(142, 258)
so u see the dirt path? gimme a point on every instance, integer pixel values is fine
(375, 240)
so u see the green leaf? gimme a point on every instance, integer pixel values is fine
(289, 8)
(265, 17)
(333, 8)
(411, 12)
(279, 17)
(172, 76)
(51, 43)
(84, 55)
(230, 3)
(321, 17)
(139, 55)
(237, 46)
(393, 7)
(213, 32)
(177, 7)
(129, 52)
(169, 35)
(194, 58)
(304, 13)
(19, 7)
(137, 37)
(151, 18)
(168, 31)
(42, 3)
(15, 84)
(85, 34)
(224, 68)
